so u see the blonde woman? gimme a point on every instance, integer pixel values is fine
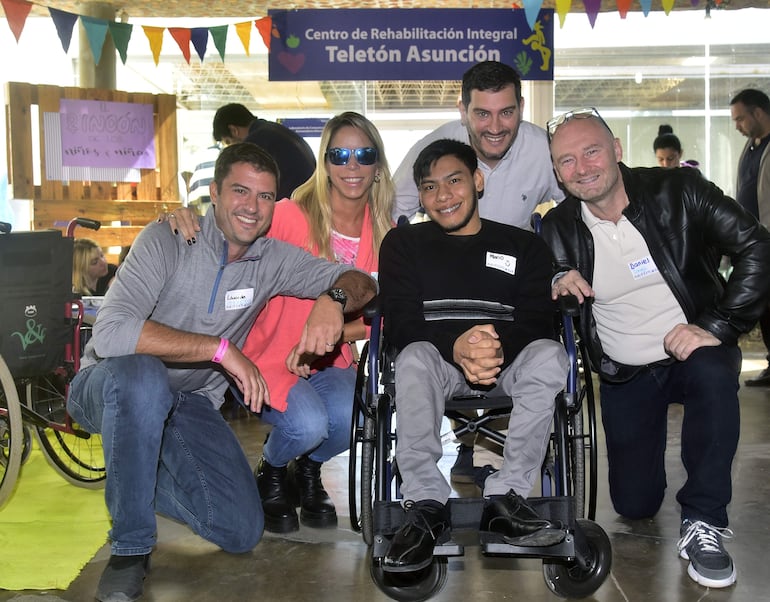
(88, 265)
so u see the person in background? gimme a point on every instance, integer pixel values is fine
(750, 111)
(88, 266)
(164, 350)
(640, 248)
(198, 196)
(668, 149)
(341, 214)
(467, 304)
(296, 162)
(105, 281)
(518, 176)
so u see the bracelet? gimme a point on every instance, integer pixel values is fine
(221, 350)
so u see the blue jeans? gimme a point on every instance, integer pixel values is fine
(165, 451)
(316, 421)
(634, 415)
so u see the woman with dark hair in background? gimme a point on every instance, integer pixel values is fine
(668, 149)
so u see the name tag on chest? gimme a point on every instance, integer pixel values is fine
(641, 268)
(239, 299)
(499, 261)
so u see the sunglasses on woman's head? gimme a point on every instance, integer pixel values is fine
(340, 156)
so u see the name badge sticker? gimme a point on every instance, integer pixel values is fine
(499, 261)
(239, 299)
(641, 268)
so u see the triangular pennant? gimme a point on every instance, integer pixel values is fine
(96, 31)
(646, 6)
(200, 39)
(667, 5)
(592, 9)
(531, 10)
(623, 7)
(264, 27)
(155, 37)
(244, 33)
(121, 34)
(64, 22)
(16, 12)
(182, 37)
(562, 8)
(219, 35)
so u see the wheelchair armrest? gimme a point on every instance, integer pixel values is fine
(372, 309)
(569, 306)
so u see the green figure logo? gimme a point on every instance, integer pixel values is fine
(35, 334)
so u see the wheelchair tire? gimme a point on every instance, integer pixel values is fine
(75, 455)
(412, 587)
(568, 580)
(11, 432)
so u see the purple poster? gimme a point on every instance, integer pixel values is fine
(97, 133)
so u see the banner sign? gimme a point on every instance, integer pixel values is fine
(406, 44)
(98, 133)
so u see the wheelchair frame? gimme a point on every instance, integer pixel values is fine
(36, 403)
(574, 568)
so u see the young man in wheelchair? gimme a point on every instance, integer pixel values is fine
(467, 304)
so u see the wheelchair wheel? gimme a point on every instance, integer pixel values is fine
(11, 432)
(360, 483)
(568, 579)
(76, 455)
(412, 587)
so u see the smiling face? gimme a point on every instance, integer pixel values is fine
(244, 206)
(492, 120)
(450, 193)
(351, 181)
(585, 158)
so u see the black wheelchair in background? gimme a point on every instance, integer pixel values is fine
(41, 337)
(575, 568)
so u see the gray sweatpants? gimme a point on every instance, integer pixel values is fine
(424, 380)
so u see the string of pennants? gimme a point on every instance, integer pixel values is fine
(16, 12)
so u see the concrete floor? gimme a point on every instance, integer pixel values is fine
(332, 565)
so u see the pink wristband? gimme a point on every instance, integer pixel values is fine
(221, 350)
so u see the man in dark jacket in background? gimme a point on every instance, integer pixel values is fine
(640, 248)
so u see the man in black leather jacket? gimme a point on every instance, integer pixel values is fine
(640, 248)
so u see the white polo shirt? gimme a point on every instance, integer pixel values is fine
(634, 308)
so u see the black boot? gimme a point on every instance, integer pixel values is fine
(316, 507)
(280, 515)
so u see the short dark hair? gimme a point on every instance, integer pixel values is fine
(442, 148)
(244, 152)
(752, 98)
(492, 76)
(227, 115)
(667, 139)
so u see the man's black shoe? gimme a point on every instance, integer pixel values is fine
(411, 549)
(316, 507)
(761, 380)
(123, 578)
(511, 516)
(280, 515)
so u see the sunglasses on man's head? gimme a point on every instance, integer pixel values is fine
(553, 124)
(340, 156)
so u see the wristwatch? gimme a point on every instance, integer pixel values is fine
(339, 296)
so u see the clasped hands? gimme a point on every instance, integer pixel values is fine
(479, 353)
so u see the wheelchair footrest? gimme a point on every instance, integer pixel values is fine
(493, 544)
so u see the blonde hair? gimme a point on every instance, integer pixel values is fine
(82, 251)
(314, 197)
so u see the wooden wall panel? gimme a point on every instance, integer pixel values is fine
(54, 203)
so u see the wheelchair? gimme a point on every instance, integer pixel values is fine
(575, 568)
(41, 337)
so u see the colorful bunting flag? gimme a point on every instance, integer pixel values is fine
(531, 10)
(121, 34)
(667, 5)
(96, 32)
(646, 6)
(155, 37)
(16, 12)
(623, 6)
(219, 35)
(562, 8)
(182, 37)
(64, 23)
(592, 9)
(264, 27)
(200, 39)
(244, 33)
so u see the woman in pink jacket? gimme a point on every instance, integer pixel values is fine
(342, 213)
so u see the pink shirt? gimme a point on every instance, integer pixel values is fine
(279, 325)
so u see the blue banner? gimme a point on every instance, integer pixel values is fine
(406, 44)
